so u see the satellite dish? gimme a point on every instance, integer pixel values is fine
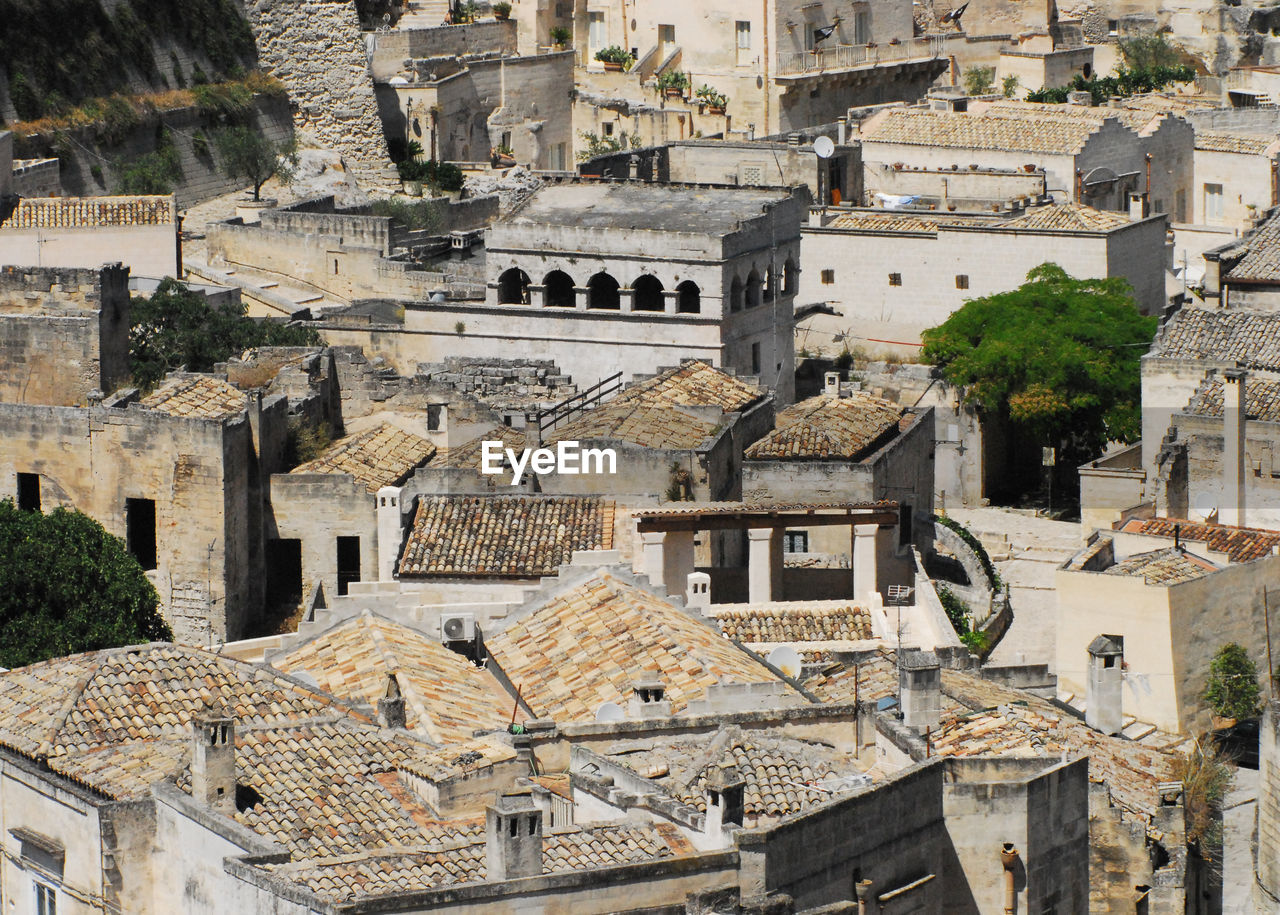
(787, 660)
(1205, 506)
(610, 711)
(824, 147)
(303, 677)
(437, 298)
(397, 81)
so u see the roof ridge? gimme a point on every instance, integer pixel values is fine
(44, 751)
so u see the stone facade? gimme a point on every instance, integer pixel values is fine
(315, 48)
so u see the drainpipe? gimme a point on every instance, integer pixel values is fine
(1148, 158)
(1079, 185)
(1275, 182)
(1008, 857)
(863, 890)
(764, 64)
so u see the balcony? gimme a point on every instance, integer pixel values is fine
(849, 56)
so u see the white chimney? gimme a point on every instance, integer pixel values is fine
(920, 690)
(213, 762)
(1231, 509)
(1104, 686)
(698, 593)
(390, 534)
(513, 837)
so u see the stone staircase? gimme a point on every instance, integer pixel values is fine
(424, 14)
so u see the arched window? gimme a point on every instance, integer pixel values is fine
(735, 295)
(513, 287)
(790, 278)
(559, 292)
(690, 301)
(648, 294)
(602, 292)
(770, 284)
(753, 288)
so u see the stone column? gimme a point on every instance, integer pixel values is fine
(581, 296)
(626, 299)
(764, 564)
(652, 557)
(864, 560)
(537, 295)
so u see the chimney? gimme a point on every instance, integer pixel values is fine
(831, 383)
(698, 592)
(725, 790)
(1137, 207)
(390, 534)
(649, 699)
(213, 762)
(391, 713)
(1104, 695)
(1009, 861)
(1080, 97)
(920, 690)
(513, 837)
(1231, 509)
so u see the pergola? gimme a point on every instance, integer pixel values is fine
(667, 551)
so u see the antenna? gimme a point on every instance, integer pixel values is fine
(824, 147)
(610, 711)
(787, 660)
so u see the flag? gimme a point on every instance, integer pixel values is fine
(823, 33)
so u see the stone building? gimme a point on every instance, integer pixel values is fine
(1094, 156)
(620, 274)
(891, 275)
(86, 232)
(1246, 273)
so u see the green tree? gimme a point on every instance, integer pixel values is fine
(248, 154)
(1148, 52)
(1232, 689)
(979, 80)
(66, 586)
(1057, 358)
(175, 327)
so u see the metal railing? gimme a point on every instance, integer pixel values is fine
(844, 56)
(577, 403)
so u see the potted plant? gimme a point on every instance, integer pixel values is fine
(502, 11)
(714, 101)
(673, 83)
(560, 36)
(502, 156)
(615, 59)
(1231, 690)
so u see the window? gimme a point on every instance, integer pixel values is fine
(29, 492)
(690, 298)
(828, 277)
(666, 41)
(435, 413)
(962, 281)
(895, 279)
(1213, 208)
(46, 900)
(348, 562)
(861, 26)
(602, 292)
(559, 290)
(513, 287)
(742, 31)
(140, 530)
(1113, 26)
(795, 542)
(755, 358)
(647, 294)
(596, 38)
(607, 127)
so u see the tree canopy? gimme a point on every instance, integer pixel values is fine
(1058, 357)
(247, 154)
(175, 327)
(67, 586)
(1232, 688)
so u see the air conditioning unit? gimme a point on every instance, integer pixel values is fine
(458, 627)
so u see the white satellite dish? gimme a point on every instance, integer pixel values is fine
(786, 659)
(1205, 506)
(824, 147)
(397, 81)
(610, 711)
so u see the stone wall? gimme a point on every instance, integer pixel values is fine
(317, 508)
(1266, 890)
(36, 178)
(315, 48)
(63, 333)
(389, 50)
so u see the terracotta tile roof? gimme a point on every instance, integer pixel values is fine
(504, 536)
(91, 212)
(1262, 399)
(1240, 544)
(590, 644)
(86, 714)
(469, 455)
(783, 775)
(446, 696)
(1170, 566)
(640, 423)
(463, 861)
(1250, 338)
(1130, 770)
(200, 397)
(693, 384)
(385, 455)
(1139, 120)
(813, 621)
(887, 222)
(1261, 260)
(998, 128)
(460, 759)
(877, 679)
(1067, 217)
(1247, 144)
(828, 427)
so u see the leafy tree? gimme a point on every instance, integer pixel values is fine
(1126, 82)
(1009, 85)
(1058, 358)
(66, 586)
(175, 327)
(1148, 51)
(1232, 689)
(979, 80)
(248, 154)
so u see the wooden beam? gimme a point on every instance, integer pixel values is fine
(759, 519)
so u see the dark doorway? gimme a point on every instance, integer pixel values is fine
(284, 572)
(29, 492)
(140, 530)
(348, 562)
